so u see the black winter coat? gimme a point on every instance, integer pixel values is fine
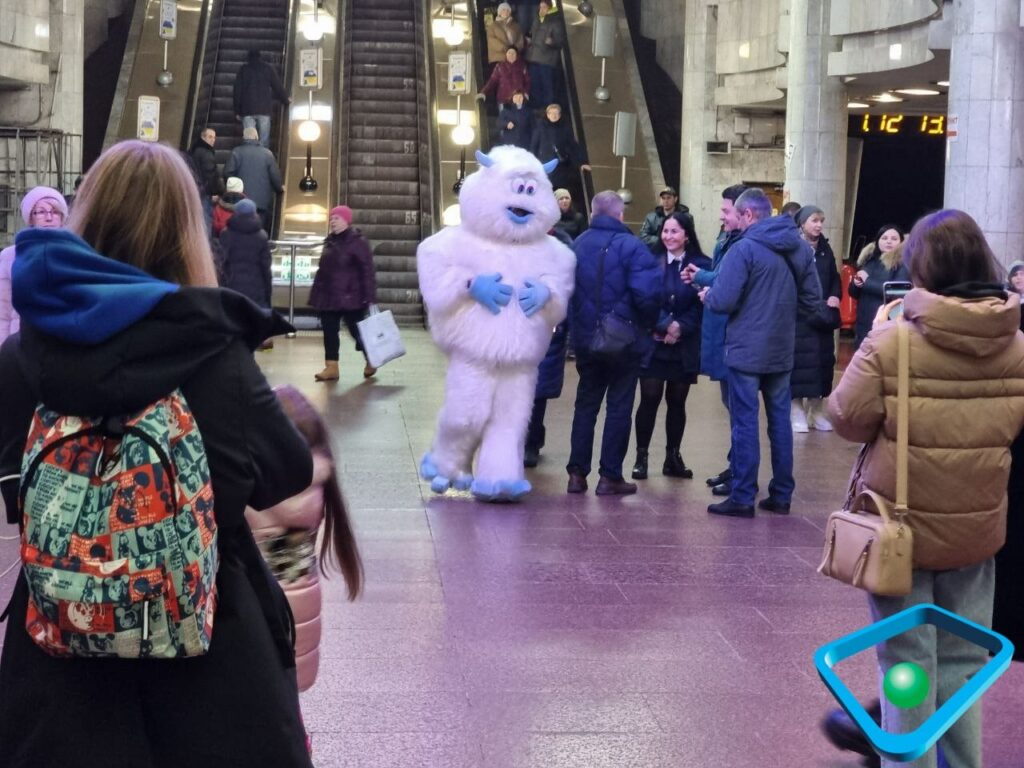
(521, 132)
(256, 87)
(681, 304)
(204, 163)
(245, 259)
(345, 278)
(572, 222)
(814, 359)
(551, 140)
(237, 705)
(1008, 608)
(869, 295)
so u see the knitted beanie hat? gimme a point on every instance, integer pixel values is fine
(806, 212)
(342, 211)
(42, 193)
(235, 184)
(245, 207)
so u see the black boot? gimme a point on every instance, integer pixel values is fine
(640, 468)
(843, 733)
(674, 466)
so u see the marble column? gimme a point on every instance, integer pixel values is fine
(816, 120)
(699, 118)
(985, 161)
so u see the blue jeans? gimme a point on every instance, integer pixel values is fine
(723, 387)
(597, 377)
(262, 125)
(746, 445)
(948, 659)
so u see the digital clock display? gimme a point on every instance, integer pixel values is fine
(929, 125)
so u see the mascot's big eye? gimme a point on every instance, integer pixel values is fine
(518, 186)
(531, 188)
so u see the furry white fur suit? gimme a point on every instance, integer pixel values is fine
(495, 286)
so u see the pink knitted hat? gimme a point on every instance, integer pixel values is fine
(42, 193)
(342, 211)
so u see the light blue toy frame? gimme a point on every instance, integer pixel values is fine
(903, 747)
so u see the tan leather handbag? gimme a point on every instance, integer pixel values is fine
(866, 545)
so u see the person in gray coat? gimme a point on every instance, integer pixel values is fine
(769, 275)
(543, 56)
(256, 167)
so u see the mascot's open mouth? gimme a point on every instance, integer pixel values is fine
(519, 215)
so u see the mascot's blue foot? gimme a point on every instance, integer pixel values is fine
(462, 482)
(428, 470)
(500, 490)
(440, 484)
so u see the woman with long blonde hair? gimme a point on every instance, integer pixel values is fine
(118, 312)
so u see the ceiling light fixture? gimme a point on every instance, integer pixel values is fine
(943, 83)
(918, 91)
(885, 98)
(858, 105)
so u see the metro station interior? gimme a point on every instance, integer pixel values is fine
(561, 631)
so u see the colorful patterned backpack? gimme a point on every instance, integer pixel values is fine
(118, 542)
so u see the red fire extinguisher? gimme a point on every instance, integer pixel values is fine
(848, 304)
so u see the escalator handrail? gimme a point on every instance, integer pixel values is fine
(575, 114)
(210, 9)
(430, 161)
(479, 72)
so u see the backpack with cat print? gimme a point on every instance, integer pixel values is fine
(118, 542)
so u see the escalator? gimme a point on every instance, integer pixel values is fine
(236, 26)
(385, 129)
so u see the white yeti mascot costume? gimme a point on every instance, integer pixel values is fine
(495, 286)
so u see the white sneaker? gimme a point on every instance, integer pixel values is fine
(798, 417)
(816, 415)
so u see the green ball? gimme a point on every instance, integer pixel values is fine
(906, 685)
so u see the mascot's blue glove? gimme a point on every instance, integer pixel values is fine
(532, 296)
(490, 291)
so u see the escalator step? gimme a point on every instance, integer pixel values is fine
(374, 172)
(403, 248)
(390, 107)
(405, 136)
(374, 69)
(398, 202)
(388, 217)
(383, 263)
(398, 161)
(409, 232)
(397, 280)
(383, 187)
(373, 119)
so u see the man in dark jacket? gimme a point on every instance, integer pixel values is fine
(256, 87)
(769, 274)
(204, 164)
(546, 37)
(712, 329)
(257, 168)
(631, 286)
(571, 222)
(650, 230)
(553, 139)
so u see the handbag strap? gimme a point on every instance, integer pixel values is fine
(902, 415)
(600, 275)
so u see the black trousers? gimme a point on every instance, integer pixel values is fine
(601, 380)
(331, 323)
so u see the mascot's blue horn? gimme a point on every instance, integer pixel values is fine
(485, 160)
(550, 165)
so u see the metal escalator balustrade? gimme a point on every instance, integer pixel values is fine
(381, 165)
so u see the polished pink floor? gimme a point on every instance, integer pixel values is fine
(575, 631)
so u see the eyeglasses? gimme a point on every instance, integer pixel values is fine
(47, 213)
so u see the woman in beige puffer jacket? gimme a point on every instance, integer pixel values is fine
(287, 533)
(966, 408)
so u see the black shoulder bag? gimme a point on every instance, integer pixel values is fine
(613, 336)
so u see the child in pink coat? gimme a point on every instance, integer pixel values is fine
(287, 535)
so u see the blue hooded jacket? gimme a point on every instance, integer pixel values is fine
(64, 288)
(761, 294)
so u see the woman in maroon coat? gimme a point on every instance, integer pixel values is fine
(508, 77)
(344, 288)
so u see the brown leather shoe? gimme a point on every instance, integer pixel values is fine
(608, 487)
(577, 483)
